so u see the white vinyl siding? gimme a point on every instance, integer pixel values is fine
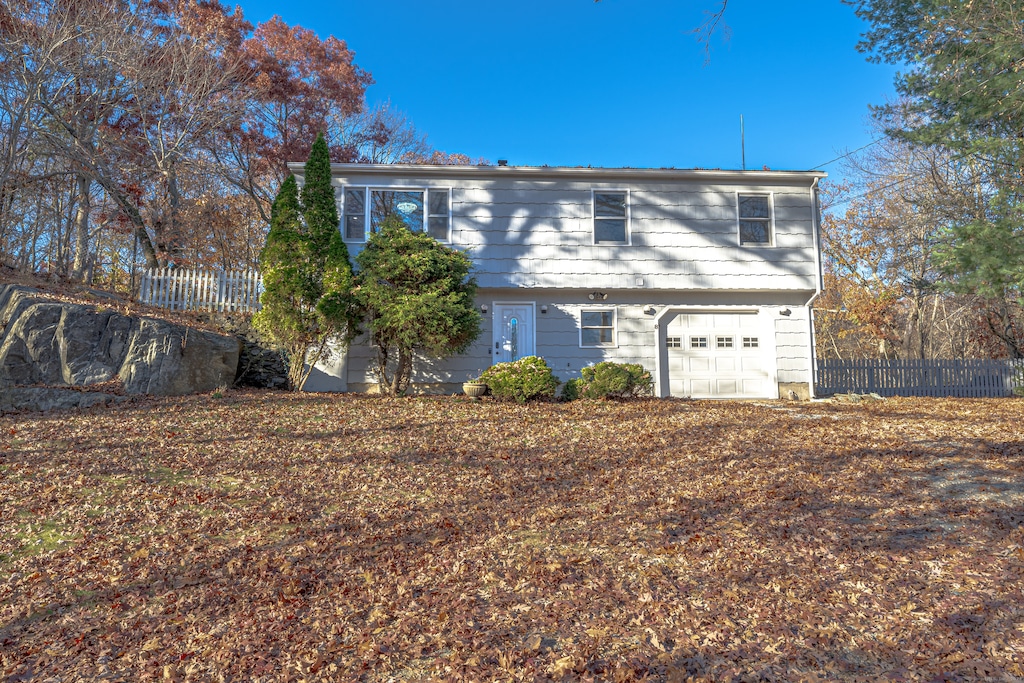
(682, 236)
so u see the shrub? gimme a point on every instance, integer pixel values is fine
(521, 380)
(571, 390)
(615, 380)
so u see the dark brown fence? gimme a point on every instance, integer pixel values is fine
(964, 378)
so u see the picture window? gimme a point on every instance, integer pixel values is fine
(422, 210)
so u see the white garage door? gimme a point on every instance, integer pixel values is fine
(718, 355)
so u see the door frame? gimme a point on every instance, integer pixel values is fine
(496, 325)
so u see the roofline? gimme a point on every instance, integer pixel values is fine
(528, 172)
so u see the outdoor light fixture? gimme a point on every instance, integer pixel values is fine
(597, 296)
(785, 311)
(543, 309)
(483, 308)
(649, 309)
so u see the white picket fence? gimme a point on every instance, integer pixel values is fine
(178, 289)
(963, 378)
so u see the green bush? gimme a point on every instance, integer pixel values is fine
(615, 380)
(571, 389)
(521, 380)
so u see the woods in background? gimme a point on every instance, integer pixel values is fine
(157, 131)
(925, 248)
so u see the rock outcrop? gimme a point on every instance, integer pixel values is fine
(53, 343)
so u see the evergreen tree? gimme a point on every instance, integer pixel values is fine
(308, 306)
(419, 299)
(964, 93)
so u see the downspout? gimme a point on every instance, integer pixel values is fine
(819, 285)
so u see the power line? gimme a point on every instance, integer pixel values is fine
(927, 113)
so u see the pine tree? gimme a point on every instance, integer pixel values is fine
(308, 306)
(419, 298)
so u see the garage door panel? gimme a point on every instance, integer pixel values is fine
(726, 387)
(727, 360)
(751, 364)
(700, 387)
(700, 364)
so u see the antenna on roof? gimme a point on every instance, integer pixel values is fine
(743, 145)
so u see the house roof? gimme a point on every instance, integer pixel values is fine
(567, 172)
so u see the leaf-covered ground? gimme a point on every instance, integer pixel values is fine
(265, 536)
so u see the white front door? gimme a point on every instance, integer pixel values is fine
(513, 331)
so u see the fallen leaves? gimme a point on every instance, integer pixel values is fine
(282, 537)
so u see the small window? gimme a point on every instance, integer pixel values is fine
(698, 342)
(355, 213)
(437, 216)
(723, 342)
(597, 327)
(674, 342)
(755, 216)
(750, 342)
(611, 217)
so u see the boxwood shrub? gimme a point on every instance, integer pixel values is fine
(612, 380)
(521, 380)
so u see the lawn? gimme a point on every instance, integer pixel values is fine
(266, 536)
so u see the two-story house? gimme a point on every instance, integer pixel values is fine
(705, 277)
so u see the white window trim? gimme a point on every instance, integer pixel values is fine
(367, 193)
(593, 216)
(426, 212)
(615, 327)
(771, 219)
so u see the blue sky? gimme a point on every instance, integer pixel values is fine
(614, 83)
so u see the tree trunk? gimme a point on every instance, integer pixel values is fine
(400, 380)
(82, 229)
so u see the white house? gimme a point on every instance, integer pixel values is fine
(705, 277)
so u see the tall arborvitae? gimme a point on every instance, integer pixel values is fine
(307, 303)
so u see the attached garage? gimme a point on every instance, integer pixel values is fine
(721, 354)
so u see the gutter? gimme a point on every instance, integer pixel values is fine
(816, 221)
(585, 174)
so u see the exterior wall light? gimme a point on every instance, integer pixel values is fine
(785, 311)
(544, 309)
(483, 308)
(597, 296)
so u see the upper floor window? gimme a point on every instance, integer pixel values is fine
(611, 217)
(755, 218)
(422, 210)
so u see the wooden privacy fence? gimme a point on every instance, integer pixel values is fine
(177, 289)
(964, 378)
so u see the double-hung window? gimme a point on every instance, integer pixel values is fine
(755, 218)
(611, 217)
(597, 327)
(421, 209)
